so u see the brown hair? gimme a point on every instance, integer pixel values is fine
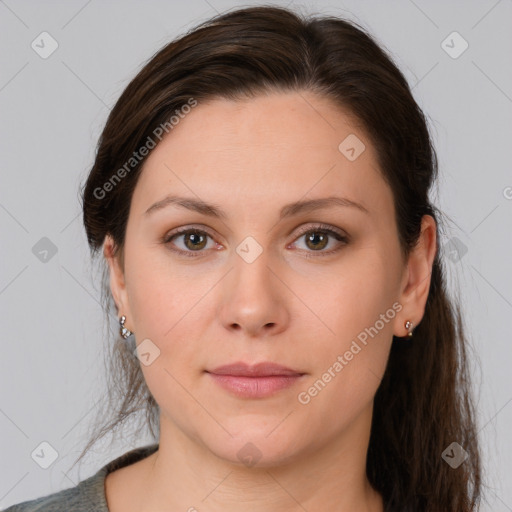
(424, 401)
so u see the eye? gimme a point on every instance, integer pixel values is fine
(317, 238)
(193, 240)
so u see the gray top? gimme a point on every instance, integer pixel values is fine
(89, 494)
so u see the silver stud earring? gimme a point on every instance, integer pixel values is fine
(408, 326)
(125, 333)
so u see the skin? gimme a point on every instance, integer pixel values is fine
(301, 312)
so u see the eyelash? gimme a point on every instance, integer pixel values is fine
(319, 228)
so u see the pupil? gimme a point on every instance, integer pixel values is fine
(194, 238)
(312, 238)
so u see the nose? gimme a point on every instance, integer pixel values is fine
(254, 299)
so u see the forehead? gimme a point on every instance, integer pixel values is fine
(272, 149)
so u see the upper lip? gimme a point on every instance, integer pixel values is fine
(257, 370)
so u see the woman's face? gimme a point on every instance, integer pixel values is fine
(261, 281)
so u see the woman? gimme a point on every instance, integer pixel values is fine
(260, 197)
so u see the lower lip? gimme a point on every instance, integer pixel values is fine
(254, 387)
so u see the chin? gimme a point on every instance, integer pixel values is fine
(256, 448)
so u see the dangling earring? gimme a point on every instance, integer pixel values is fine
(408, 325)
(125, 333)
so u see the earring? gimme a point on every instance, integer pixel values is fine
(408, 325)
(125, 333)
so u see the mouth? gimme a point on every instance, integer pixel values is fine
(264, 369)
(256, 381)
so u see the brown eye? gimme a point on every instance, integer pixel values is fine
(187, 241)
(317, 240)
(194, 240)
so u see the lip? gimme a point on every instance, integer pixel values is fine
(264, 369)
(256, 381)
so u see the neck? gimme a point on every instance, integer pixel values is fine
(185, 475)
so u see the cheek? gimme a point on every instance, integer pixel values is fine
(158, 294)
(168, 314)
(168, 306)
(359, 308)
(348, 369)
(359, 290)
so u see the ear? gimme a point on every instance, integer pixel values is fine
(417, 277)
(117, 281)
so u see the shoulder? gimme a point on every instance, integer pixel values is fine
(84, 497)
(88, 495)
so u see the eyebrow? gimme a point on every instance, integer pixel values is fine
(289, 210)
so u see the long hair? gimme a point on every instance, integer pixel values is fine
(424, 402)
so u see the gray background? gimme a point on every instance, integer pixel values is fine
(52, 112)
